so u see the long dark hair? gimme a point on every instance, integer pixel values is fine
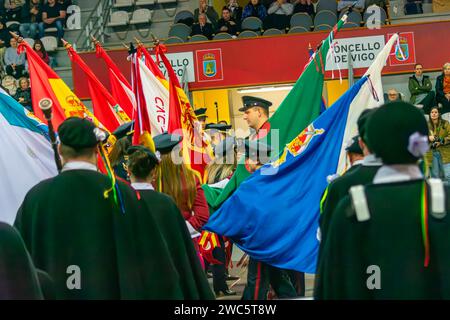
(439, 120)
(38, 41)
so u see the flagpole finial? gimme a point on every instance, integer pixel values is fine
(126, 46)
(16, 36)
(94, 40)
(155, 39)
(66, 44)
(139, 42)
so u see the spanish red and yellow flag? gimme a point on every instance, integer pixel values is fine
(197, 152)
(121, 89)
(45, 83)
(106, 108)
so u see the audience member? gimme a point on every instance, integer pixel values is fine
(52, 17)
(14, 9)
(23, 94)
(254, 9)
(40, 50)
(227, 23)
(279, 15)
(15, 63)
(305, 6)
(343, 5)
(5, 36)
(443, 89)
(393, 95)
(420, 88)
(202, 27)
(31, 17)
(439, 137)
(208, 11)
(235, 10)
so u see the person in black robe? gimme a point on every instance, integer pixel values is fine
(390, 239)
(92, 245)
(192, 279)
(18, 276)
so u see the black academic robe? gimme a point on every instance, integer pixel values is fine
(192, 278)
(74, 233)
(388, 248)
(18, 277)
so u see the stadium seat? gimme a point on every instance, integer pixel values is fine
(371, 15)
(198, 38)
(272, 32)
(145, 3)
(323, 27)
(354, 17)
(298, 30)
(122, 4)
(173, 39)
(252, 23)
(301, 19)
(349, 25)
(140, 17)
(223, 36)
(30, 41)
(325, 17)
(166, 1)
(119, 19)
(330, 5)
(50, 43)
(184, 16)
(180, 30)
(247, 34)
(13, 25)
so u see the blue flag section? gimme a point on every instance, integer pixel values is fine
(283, 231)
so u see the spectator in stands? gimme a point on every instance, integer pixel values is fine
(14, 9)
(380, 3)
(52, 17)
(279, 15)
(305, 6)
(420, 88)
(439, 137)
(443, 89)
(5, 36)
(31, 17)
(15, 63)
(23, 94)
(343, 5)
(40, 50)
(254, 9)
(393, 95)
(202, 27)
(227, 23)
(64, 5)
(210, 13)
(235, 10)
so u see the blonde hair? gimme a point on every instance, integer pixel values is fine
(177, 181)
(219, 169)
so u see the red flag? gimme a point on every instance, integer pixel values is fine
(197, 151)
(106, 108)
(121, 89)
(143, 52)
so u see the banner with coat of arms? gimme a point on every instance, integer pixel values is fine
(209, 65)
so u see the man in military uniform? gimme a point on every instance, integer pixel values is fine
(92, 245)
(256, 113)
(201, 116)
(390, 239)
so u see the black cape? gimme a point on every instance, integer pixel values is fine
(192, 278)
(66, 221)
(18, 277)
(392, 241)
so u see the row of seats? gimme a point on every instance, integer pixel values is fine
(122, 18)
(124, 4)
(50, 43)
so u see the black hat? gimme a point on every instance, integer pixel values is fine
(362, 121)
(398, 133)
(79, 133)
(224, 147)
(256, 149)
(218, 126)
(124, 130)
(165, 142)
(353, 146)
(250, 102)
(200, 113)
(153, 158)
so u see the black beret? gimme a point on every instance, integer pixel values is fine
(218, 126)
(200, 113)
(257, 150)
(124, 130)
(79, 133)
(250, 102)
(153, 158)
(362, 121)
(353, 146)
(389, 129)
(165, 142)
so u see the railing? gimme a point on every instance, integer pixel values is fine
(94, 26)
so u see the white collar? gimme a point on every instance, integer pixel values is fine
(221, 184)
(79, 165)
(357, 162)
(142, 186)
(371, 160)
(397, 173)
